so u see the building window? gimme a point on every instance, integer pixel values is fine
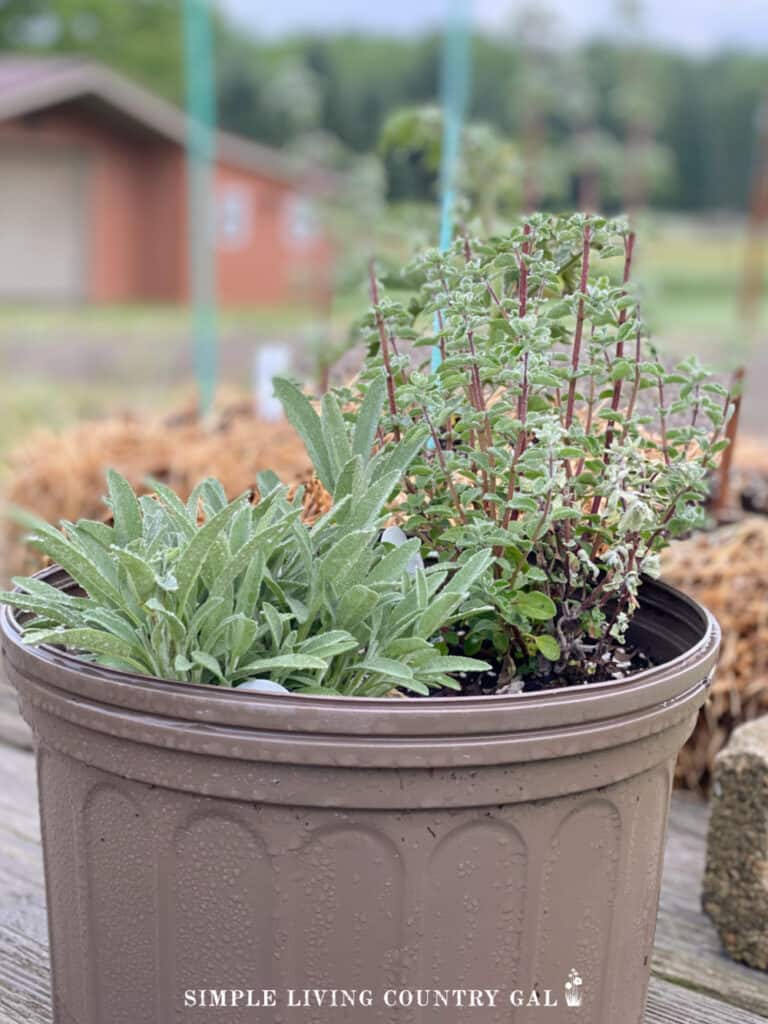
(300, 224)
(234, 216)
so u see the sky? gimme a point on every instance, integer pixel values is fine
(698, 26)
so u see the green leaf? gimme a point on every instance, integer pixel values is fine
(174, 506)
(213, 608)
(243, 632)
(300, 662)
(453, 663)
(335, 433)
(140, 573)
(437, 614)
(340, 559)
(81, 568)
(347, 483)
(94, 641)
(112, 622)
(394, 563)
(211, 494)
(192, 559)
(100, 532)
(126, 510)
(49, 607)
(250, 586)
(368, 510)
(355, 606)
(395, 459)
(367, 419)
(300, 414)
(274, 622)
(208, 662)
(535, 605)
(415, 686)
(174, 623)
(389, 668)
(408, 645)
(548, 646)
(240, 530)
(328, 645)
(469, 573)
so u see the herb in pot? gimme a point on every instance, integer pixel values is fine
(232, 593)
(557, 436)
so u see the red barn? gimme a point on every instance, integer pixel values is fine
(93, 198)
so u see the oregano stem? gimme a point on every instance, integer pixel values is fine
(384, 341)
(576, 352)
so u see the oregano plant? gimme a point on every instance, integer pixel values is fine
(558, 437)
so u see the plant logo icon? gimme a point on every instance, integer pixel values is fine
(573, 988)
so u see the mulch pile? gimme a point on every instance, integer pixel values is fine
(727, 570)
(61, 475)
(749, 483)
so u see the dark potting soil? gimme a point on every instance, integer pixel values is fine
(616, 664)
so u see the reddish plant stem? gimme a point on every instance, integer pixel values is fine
(587, 426)
(510, 514)
(477, 397)
(384, 342)
(731, 432)
(667, 516)
(663, 423)
(442, 339)
(522, 403)
(444, 466)
(629, 248)
(495, 299)
(576, 355)
(636, 382)
(534, 536)
(523, 286)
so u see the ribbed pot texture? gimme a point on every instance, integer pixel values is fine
(200, 839)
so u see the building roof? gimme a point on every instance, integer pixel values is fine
(30, 84)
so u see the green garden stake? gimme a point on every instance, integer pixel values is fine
(454, 89)
(201, 127)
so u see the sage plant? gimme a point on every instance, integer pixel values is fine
(230, 593)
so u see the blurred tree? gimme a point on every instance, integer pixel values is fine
(139, 37)
(536, 100)
(490, 169)
(687, 120)
(638, 100)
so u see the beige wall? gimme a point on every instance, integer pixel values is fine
(43, 230)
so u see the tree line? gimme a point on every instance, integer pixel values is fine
(699, 112)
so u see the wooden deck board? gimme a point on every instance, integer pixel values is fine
(13, 729)
(693, 982)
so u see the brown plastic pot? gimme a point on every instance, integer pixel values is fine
(200, 839)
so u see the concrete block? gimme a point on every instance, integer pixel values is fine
(735, 893)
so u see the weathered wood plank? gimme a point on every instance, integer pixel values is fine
(25, 996)
(673, 1004)
(13, 729)
(695, 983)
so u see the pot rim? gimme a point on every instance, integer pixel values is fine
(658, 686)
